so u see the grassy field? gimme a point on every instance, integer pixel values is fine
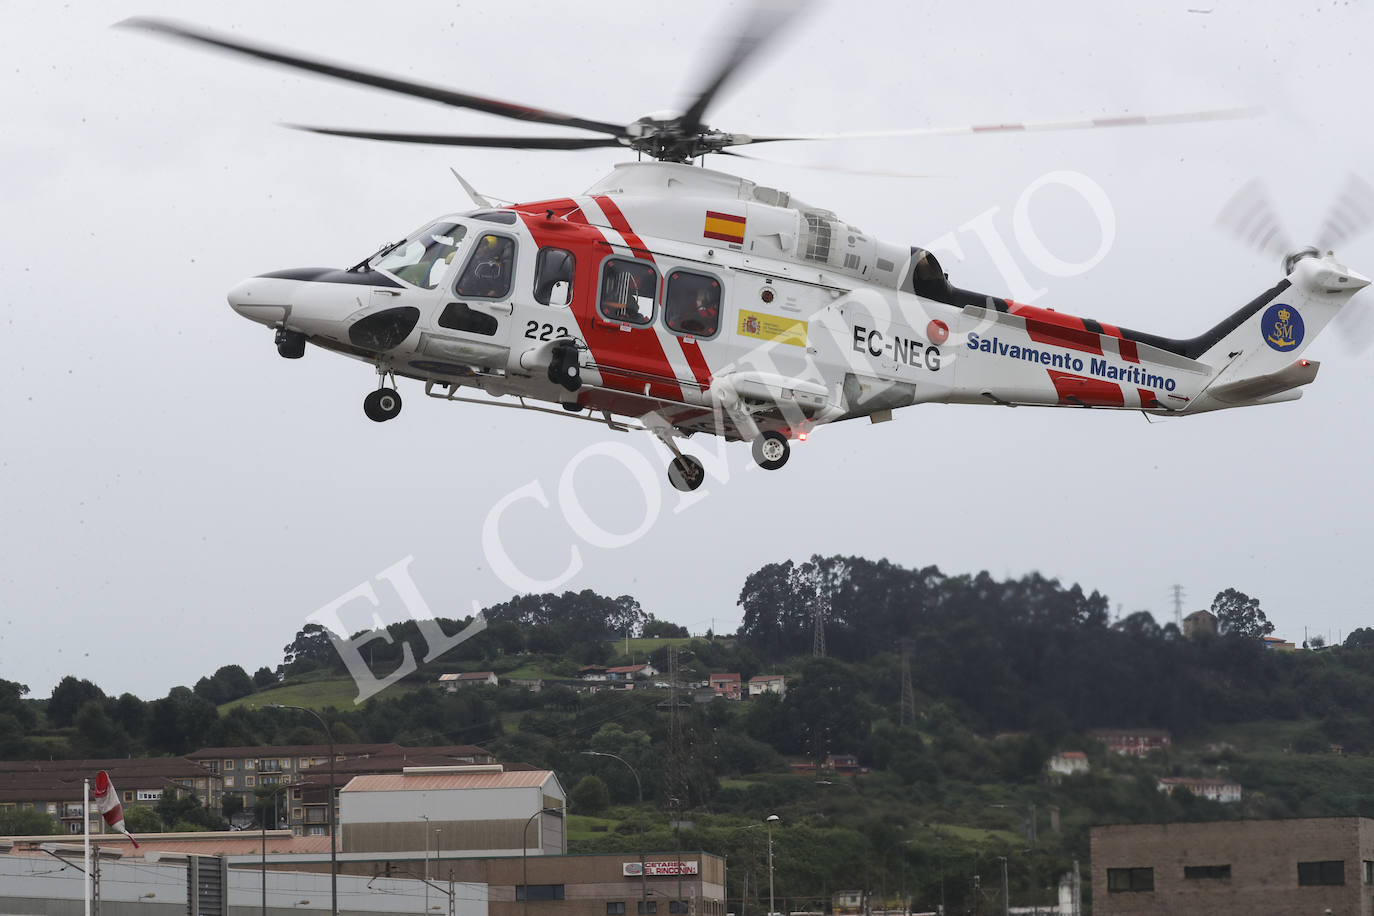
(1249, 737)
(580, 827)
(645, 646)
(336, 692)
(529, 671)
(977, 835)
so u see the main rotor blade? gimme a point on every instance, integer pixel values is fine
(1185, 117)
(766, 19)
(464, 139)
(831, 168)
(379, 81)
(1351, 214)
(1250, 216)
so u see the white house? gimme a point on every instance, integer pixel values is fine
(767, 683)
(1068, 763)
(453, 682)
(1217, 790)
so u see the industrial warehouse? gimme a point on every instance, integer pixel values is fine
(462, 840)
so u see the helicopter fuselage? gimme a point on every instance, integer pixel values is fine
(698, 302)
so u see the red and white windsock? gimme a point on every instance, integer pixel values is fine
(108, 800)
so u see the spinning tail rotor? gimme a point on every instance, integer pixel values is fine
(1252, 218)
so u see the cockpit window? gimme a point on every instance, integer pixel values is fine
(423, 258)
(489, 269)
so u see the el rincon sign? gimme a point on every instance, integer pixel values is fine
(673, 867)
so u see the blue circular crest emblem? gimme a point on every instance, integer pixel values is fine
(1282, 327)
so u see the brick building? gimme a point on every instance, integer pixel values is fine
(1132, 742)
(301, 772)
(1229, 868)
(54, 787)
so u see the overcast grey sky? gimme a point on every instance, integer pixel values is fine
(177, 497)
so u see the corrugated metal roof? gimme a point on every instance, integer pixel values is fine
(404, 782)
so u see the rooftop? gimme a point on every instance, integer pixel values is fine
(429, 782)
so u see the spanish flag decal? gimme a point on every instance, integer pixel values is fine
(723, 227)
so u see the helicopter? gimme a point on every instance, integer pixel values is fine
(676, 299)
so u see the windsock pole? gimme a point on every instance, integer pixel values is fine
(86, 825)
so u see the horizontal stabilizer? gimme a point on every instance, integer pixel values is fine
(1256, 388)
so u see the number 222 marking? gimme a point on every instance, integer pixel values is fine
(534, 332)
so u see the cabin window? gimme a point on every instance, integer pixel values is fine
(691, 304)
(552, 267)
(489, 269)
(628, 290)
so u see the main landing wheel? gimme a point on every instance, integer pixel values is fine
(382, 405)
(771, 450)
(686, 473)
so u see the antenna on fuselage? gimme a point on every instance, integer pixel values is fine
(478, 199)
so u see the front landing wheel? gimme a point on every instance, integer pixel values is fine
(382, 405)
(771, 450)
(686, 473)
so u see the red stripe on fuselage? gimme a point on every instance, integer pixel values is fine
(620, 224)
(1147, 397)
(1089, 392)
(696, 361)
(1057, 329)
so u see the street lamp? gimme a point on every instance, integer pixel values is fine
(770, 821)
(329, 809)
(639, 790)
(525, 853)
(639, 787)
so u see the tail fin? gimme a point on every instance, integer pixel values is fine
(1256, 360)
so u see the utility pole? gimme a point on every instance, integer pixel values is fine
(1006, 900)
(1179, 595)
(820, 606)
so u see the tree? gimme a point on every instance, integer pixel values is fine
(312, 648)
(184, 814)
(142, 819)
(12, 703)
(663, 629)
(264, 677)
(1140, 625)
(68, 696)
(1239, 615)
(1360, 638)
(26, 822)
(589, 796)
(97, 734)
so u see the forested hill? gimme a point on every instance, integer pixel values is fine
(1031, 654)
(1003, 674)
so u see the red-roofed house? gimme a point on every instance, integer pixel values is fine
(727, 686)
(1133, 742)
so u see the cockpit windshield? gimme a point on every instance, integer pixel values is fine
(423, 258)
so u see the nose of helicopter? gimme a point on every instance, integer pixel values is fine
(261, 299)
